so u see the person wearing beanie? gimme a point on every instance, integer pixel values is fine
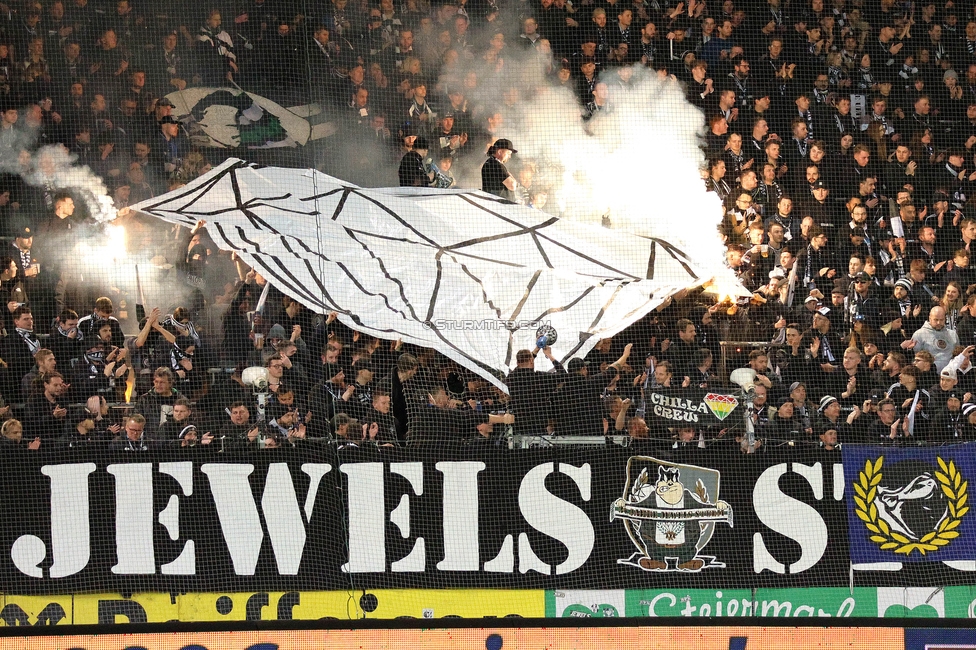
(900, 305)
(190, 437)
(829, 417)
(968, 430)
(785, 424)
(951, 421)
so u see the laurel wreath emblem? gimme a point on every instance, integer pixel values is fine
(953, 486)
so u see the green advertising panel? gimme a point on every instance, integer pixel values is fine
(832, 602)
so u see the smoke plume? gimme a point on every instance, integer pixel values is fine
(634, 167)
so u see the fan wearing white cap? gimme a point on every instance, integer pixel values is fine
(804, 317)
(961, 368)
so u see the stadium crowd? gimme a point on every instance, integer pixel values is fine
(840, 138)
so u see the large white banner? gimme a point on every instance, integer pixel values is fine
(460, 271)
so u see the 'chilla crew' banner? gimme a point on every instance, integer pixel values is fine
(674, 407)
(606, 518)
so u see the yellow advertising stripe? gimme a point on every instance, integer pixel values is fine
(92, 609)
(463, 603)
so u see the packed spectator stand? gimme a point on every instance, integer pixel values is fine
(839, 137)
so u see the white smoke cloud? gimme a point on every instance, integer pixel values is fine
(636, 166)
(54, 167)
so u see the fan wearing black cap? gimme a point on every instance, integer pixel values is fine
(448, 136)
(412, 172)
(829, 438)
(170, 147)
(495, 178)
(22, 251)
(864, 302)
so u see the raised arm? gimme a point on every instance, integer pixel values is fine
(619, 363)
(144, 333)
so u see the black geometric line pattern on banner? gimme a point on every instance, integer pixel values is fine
(524, 230)
(315, 293)
(341, 203)
(403, 295)
(395, 216)
(516, 233)
(437, 286)
(255, 220)
(603, 309)
(534, 232)
(518, 312)
(316, 197)
(197, 187)
(352, 278)
(295, 286)
(651, 258)
(675, 252)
